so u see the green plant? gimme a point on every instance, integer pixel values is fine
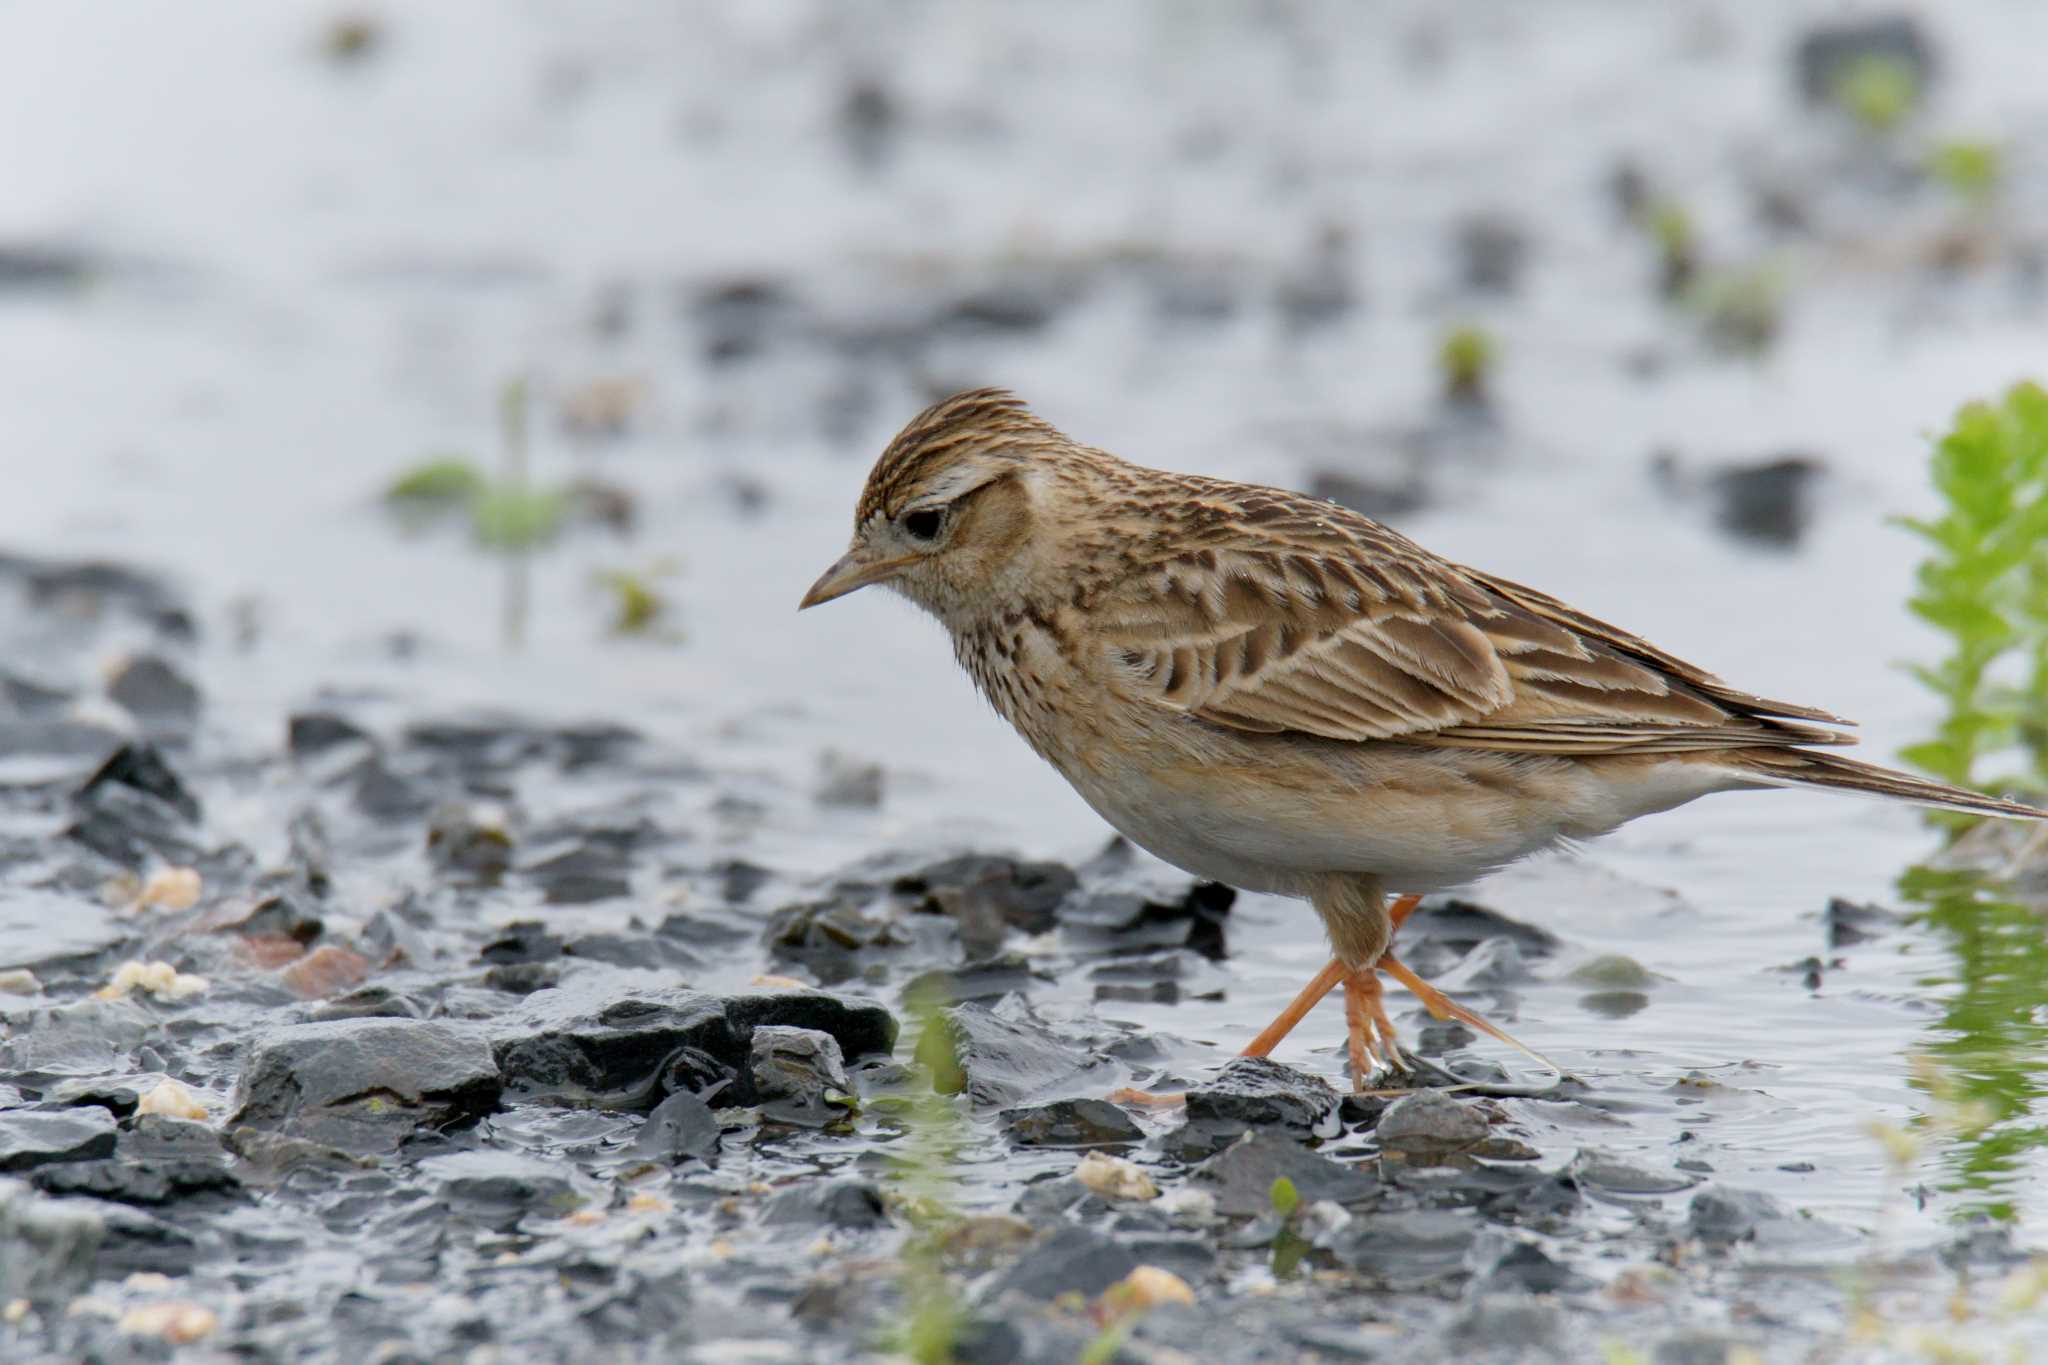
(1973, 171)
(639, 605)
(934, 1313)
(1984, 585)
(1741, 308)
(1465, 358)
(507, 515)
(1878, 91)
(1678, 257)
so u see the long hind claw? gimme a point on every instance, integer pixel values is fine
(1443, 1007)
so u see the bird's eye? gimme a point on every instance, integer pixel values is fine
(923, 524)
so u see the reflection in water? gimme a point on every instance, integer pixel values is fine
(1992, 1042)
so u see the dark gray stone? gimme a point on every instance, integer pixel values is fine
(850, 1205)
(32, 1137)
(998, 1061)
(1258, 1092)
(1430, 1121)
(799, 1075)
(603, 1039)
(1078, 1260)
(1722, 1216)
(1071, 1123)
(680, 1126)
(47, 1247)
(1769, 502)
(366, 1085)
(1849, 924)
(153, 691)
(1241, 1177)
(1609, 1177)
(1525, 1269)
(314, 732)
(1828, 51)
(498, 1190)
(148, 1183)
(1407, 1250)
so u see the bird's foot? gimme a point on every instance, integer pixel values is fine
(1441, 1006)
(1369, 1033)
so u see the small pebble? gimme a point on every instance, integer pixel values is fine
(1144, 1289)
(159, 979)
(1112, 1177)
(181, 1324)
(19, 981)
(170, 888)
(172, 1101)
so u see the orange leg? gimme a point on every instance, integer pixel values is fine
(1323, 983)
(1311, 995)
(1443, 1007)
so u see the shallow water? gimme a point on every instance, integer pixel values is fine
(301, 279)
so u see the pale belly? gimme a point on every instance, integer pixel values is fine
(1418, 819)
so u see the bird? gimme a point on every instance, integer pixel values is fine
(1271, 691)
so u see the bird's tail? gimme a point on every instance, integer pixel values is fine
(1805, 768)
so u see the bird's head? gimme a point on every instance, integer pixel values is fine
(951, 511)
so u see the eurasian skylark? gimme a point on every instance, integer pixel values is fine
(1271, 691)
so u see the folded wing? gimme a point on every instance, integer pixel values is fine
(1324, 623)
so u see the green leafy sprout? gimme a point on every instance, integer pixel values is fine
(1465, 358)
(1877, 90)
(1984, 586)
(1972, 170)
(934, 1312)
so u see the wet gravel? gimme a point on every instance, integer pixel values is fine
(343, 1017)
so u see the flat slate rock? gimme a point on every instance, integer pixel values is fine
(603, 1040)
(1430, 1121)
(38, 1137)
(998, 1061)
(681, 1126)
(1071, 1123)
(37, 927)
(1078, 1260)
(1241, 1177)
(367, 1084)
(1408, 1250)
(1259, 1092)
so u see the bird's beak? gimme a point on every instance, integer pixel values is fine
(857, 568)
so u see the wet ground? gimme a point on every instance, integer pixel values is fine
(485, 977)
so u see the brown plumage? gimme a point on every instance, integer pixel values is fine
(1271, 690)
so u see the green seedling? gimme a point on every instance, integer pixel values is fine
(1741, 309)
(1289, 1246)
(1678, 259)
(639, 605)
(1972, 171)
(934, 1313)
(511, 517)
(1878, 91)
(433, 487)
(1984, 585)
(1465, 359)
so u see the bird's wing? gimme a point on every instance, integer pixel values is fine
(1324, 623)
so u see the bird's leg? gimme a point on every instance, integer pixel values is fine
(1324, 981)
(1443, 1007)
(1311, 995)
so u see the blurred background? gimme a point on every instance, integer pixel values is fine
(532, 355)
